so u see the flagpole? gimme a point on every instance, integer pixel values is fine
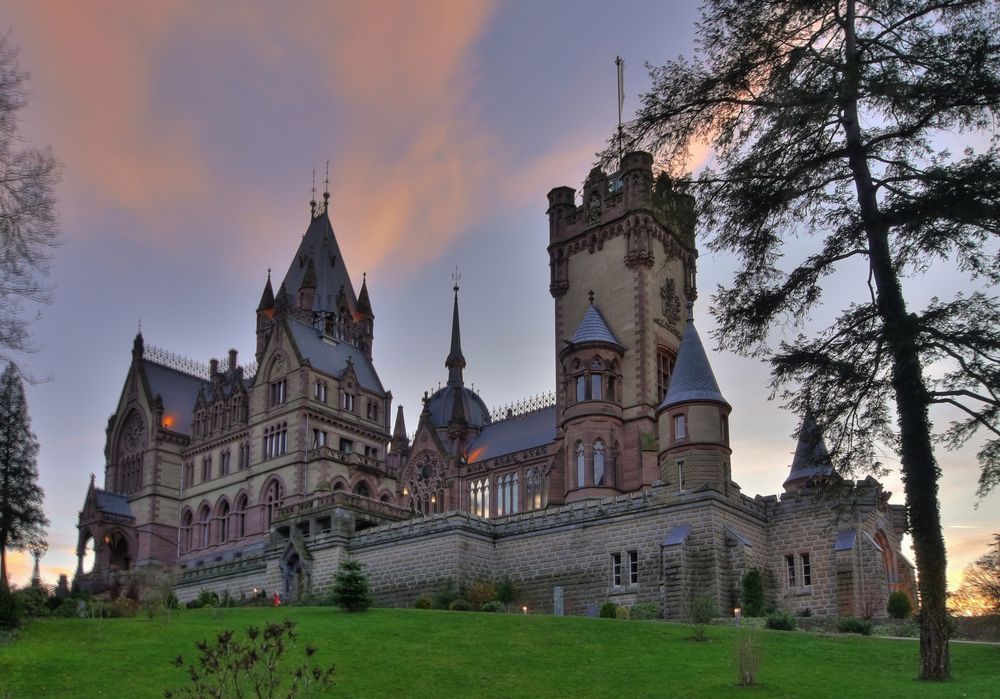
(620, 65)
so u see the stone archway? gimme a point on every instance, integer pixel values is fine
(296, 571)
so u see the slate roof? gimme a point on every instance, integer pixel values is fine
(442, 405)
(111, 503)
(320, 244)
(811, 456)
(177, 390)
(332, 357)
(593, 328)
(693, 378)
(535, 429)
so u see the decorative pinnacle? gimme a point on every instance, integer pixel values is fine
(690, 310)
(590, 295)
(326, 191)
(312, 202)
(456, 277)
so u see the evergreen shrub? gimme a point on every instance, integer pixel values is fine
(900, 606)
(753, 593)
(350, 588)
(493, 606)
(645, 610)
(460, 605)
(608, 610)
(781, 621)
(850, 624)
(423, 602)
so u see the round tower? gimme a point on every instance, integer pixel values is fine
(693, 422)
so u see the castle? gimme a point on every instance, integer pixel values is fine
(267, 476)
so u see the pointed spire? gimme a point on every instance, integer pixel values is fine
(693, 378)
(281, 298)
(138, 347)
(811, 460)
(399, 429)
(312, 202)
(455, 362)
(364, 304)
(267, 298)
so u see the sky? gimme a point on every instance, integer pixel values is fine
(189, 132)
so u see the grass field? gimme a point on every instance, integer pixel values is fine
(412, 653)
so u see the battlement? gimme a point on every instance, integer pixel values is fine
(611, 197)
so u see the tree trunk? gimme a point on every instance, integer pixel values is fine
(920, 472)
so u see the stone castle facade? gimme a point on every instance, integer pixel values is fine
(267, 476)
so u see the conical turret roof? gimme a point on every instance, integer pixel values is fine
(811, 458)
(267, 298)
(364, 304)
(594, 328)
(693, 378)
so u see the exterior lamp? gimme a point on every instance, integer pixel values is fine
(433, 499)
(406, 492)
(524, 609)
(737, 613)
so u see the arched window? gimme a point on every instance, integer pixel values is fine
(479, 497)
(222, 522)
(599, 462)
(204, 526)
(581, 470)
(273, 494)
(187, 524)
(239, 526)
(362, 489)
(534, 488)
(507, 494)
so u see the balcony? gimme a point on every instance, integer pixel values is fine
(368, 464)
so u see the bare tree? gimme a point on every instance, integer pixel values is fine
(29, 227)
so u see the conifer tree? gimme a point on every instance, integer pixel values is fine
(22, 520)
(823, 117)
(350, 588)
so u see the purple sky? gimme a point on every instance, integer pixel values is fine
(188, 134)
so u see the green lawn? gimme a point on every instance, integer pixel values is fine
(411, 653)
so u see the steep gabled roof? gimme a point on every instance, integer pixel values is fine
(111, 503)
(319, 244)
(594, 328)
(333, 357)
(534, 429)
(693, 378)
(177, 390)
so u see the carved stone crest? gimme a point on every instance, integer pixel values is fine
(670, 303)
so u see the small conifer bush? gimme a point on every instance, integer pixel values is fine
(753, 593)
(900, 606)
(350, 588)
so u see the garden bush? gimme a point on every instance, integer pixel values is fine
(32, 602)
(460, 605)
(645, 610)
(899, 606)
(493, 606)
(507, 592)
(480, 592)
(781, 621)
(748, 655)
(608, 610)
(701, 613)
(445, 594)
(850, 624)
(622, 613)
(423, 602)
(753, 593)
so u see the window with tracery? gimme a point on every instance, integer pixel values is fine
(423, 483)
(204, 527)
(131, 445)
(581, 465)
(222, 522)
(664, 369)
(534, 489)
(239, 527)
(187, 524)
(273, 495)
(507, 494)
(275, 440)
(479, 497)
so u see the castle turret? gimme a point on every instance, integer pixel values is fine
(265, 311)
(811, 463)
(694, 422)
(365, 318)
(591, 419)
